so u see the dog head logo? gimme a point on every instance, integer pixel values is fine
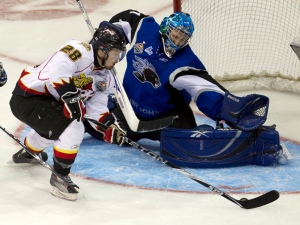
(145, 72)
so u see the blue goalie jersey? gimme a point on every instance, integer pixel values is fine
(149, 70)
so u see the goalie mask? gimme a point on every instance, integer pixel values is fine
(176, 31)
(107, 38)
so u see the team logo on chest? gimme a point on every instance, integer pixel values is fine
(145, 72)
(82, 81)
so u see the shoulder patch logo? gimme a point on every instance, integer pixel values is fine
(87, 46)
(138, 48)
(101, 86)
(101, 82)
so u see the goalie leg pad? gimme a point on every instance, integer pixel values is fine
(207, 147)
(246, 113)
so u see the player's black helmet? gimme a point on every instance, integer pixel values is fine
(108, 37)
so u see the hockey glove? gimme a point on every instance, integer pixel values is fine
(3, 76)
(73, 105)
(116, 130)
(247, 113)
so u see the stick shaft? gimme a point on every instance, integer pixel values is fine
(133, 122)
(249, 204)
(46, 165)
(85, 16)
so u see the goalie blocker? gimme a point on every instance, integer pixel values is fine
(207, 147)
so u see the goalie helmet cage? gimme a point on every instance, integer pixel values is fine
(245, 44)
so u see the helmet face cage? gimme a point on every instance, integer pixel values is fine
(106, 38)
(177, 26)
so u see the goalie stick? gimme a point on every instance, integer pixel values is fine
(259, 201)
(133, 122)
(39, 160)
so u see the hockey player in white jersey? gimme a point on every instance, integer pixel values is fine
(53, 97)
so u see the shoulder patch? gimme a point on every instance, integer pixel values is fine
(87, 46)
(100, 81)
(138, 48)
(101, 86)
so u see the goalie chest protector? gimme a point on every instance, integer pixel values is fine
(205, 146)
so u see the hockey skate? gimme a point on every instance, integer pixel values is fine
(23, 156)
(65, 190)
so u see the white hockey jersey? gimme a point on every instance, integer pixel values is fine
(71, 67)
(95, 88)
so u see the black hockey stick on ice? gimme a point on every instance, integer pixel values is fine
(133, 122)
(259, 201)
(38, 159)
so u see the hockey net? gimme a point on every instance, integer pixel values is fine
(245, 44)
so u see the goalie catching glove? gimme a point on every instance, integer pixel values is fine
(73, 105)
(116, 130)
(246, 113)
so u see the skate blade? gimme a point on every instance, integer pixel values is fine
(80, 192)
(67, 196)
(11, 162)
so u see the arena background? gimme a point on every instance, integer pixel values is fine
(122, 185)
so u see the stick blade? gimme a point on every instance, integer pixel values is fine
(262, 200)
(153, 125)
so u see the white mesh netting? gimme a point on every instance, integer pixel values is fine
(245, 44)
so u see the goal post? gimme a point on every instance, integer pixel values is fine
(245, 44)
